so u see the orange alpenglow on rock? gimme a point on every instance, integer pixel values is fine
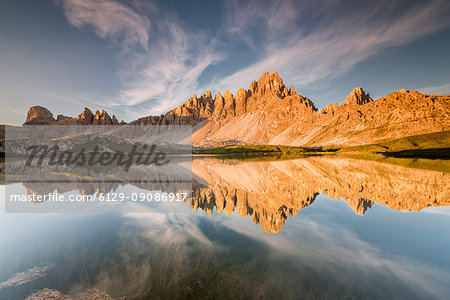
(270, 113)
(86, 117)
(358, 97)
(38, 115)
(270, 202)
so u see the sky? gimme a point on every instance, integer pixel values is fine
(137, 58)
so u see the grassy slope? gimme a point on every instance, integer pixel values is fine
(440, 165)
(256, 149)
(436, 140)
(427, 144)
(433, 145)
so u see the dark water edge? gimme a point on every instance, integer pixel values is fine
(416, 162)
(439, 153)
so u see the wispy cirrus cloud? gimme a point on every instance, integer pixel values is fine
(109, 19)
(162, 60)
(171, 69)
(257, 22)
(439, 89)
(307, 57)
(166, 71)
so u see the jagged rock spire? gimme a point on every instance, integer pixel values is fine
(85, 117)
(357, 97)
(270, 83)
(38, 115)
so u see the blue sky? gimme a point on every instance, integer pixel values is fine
(136, 58)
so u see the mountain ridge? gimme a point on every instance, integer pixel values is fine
(269, 112)
(39, 115)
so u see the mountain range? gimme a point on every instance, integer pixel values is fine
(270, 113)
(269, 192)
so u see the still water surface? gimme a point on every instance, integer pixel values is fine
(317, 227)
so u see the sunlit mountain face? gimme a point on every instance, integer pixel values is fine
(325, 226)
(270, 192)
(234, 149)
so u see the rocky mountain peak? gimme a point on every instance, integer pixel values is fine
(218, 97)
(271, 78)
(252, 88)
(292, 91)
(102, 118)
(86, 116)
(270, 83)
(357, 97)
(270, 113)
(241, 101)
(261, 97)
(228, 96)
(39, 115)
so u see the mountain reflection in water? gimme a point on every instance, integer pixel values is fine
(272, 191)
(323, 252)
